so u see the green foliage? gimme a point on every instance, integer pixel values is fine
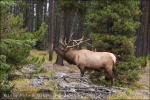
(15, 47)
(73, 6)
(16, 51)
(12, 28)
(68, 5)
(7, 3)
(113, 25)
(39, 34)
(115, 43)
(117, 17)
(13, 50)
(4, 69)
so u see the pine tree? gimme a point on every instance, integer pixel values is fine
(15, 45)
(112, 26)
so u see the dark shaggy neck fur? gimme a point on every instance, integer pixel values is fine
(70, 56)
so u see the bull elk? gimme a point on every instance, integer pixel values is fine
(85, 59)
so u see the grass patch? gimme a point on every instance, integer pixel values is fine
(49, 74)
(148, 62)
(22, 86)
(128, 95)
(45, 54)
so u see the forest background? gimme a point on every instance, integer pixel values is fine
(121, 27)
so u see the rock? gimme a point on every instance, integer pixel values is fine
(60, 75)
(29, 69)
(36, 82)
(18, 73)
(84, 85)
(72, 90)
(64, 85)
(32, 67)
(43, 77)
(75, 84)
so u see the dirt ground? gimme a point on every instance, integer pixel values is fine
(143, 87)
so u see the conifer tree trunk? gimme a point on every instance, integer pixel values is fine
(26, 15)
(49, 23)
(29, 16)
(45, 10)
(39, 13)
(52, 31)
(142, 42)
(59, 60)
(16, 10)
(45, 20)
(38, 22)
(57, 26)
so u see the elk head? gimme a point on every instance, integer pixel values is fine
(64, 46)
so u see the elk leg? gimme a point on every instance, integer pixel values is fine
(110, 73)
(82, 70)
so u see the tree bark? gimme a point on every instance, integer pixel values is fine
(39, 13)
(142, 41)
(32, 16)
(26, 14)
(57, 26)
(45, 11)
(52, 31)
(45, 20)
(148, 37)
(29, 16)
(59, 60)
(16, 10)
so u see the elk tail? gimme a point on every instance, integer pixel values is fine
(113, 57)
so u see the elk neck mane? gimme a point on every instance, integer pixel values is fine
(70, 56)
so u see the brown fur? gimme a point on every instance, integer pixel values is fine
(85, 59)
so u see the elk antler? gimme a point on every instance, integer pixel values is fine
(78, 42)
(60, 41)
(75, 42)
(70, 37)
